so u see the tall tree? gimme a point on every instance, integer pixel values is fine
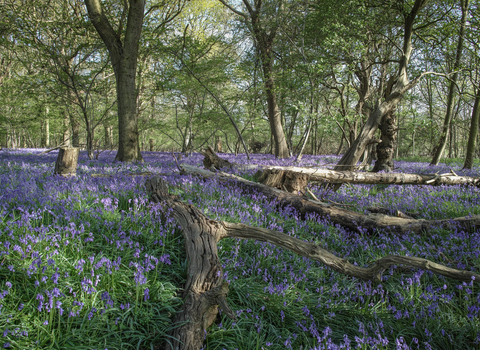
(123, 55)
(401, 84)
(263, 22)
(452, 86)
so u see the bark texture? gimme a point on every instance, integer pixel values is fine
(386, 148)
(205, 288)
(349, 219)
(472, 137)
(402, 85)
(213, 161)
(66, 164)
(264, 37)
(451, 88)
(284, 179)
(356, 177)
(123, 56)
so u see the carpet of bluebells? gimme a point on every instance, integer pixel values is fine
(88, 263)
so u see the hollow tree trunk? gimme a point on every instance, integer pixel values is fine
(451, 89)
(472, 137)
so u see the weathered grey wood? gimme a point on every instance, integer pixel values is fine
(293, 182)
(205, 288)
(66, 164)
(315, 252)
(356, 177)
(213, 161)
(346, 218)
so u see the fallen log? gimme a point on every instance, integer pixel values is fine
(346, 218)
(205, 288)
(356, 177)
(270, 174)
(396, 212)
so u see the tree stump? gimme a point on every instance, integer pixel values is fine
(213, 160)
(66, 164)
(151, 145)
(290, 181)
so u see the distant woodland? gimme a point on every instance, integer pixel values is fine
(366, 79)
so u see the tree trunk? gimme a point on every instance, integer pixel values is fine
(123, 56)
(108, 136)
(472, 137)
(281, 148)
(451, 88)
(90, 150)
(402, 85)
(128, 138)
(264, 44)
(307, 134)
(386, 148)
(151, 145)
(75, 125)
(47, 131)
(66, 164)
(205, 288)
(67, 141)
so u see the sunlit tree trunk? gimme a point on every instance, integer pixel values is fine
(472, 137)
(451, 88)
(123, 56)
(356, 150)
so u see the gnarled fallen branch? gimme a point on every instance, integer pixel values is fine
(205, 288)
(346, 218)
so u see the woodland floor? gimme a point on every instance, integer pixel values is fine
(87, 262)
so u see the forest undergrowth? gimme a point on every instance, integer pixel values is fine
(88, 262)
